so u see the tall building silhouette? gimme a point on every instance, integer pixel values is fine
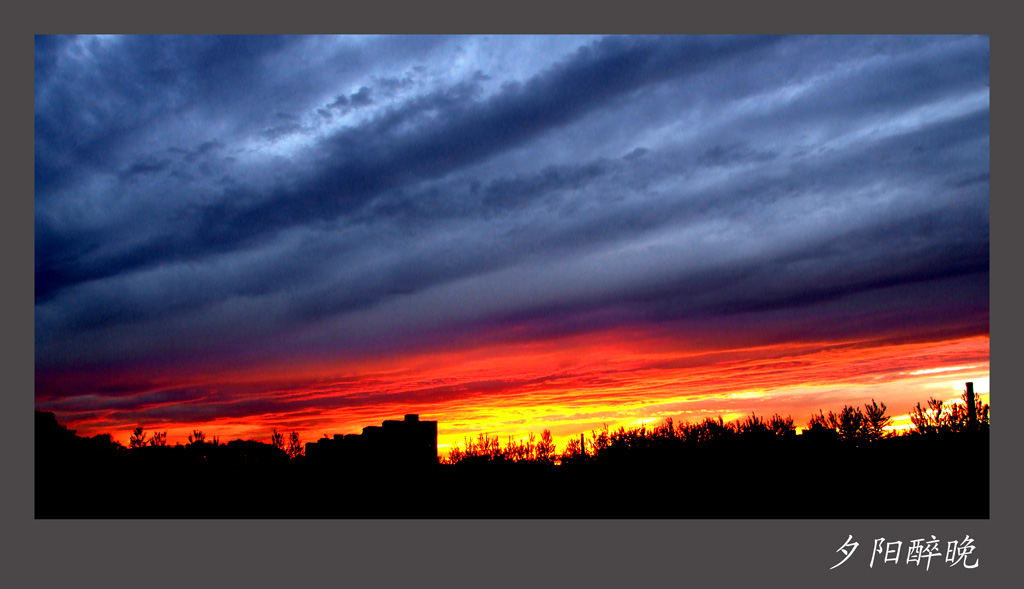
(409, 442)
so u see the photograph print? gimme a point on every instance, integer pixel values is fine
(585, 277)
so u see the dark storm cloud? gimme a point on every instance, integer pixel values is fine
(208, 194)
(361, 98)
(364, 161)
(144, 167)
(86, 114)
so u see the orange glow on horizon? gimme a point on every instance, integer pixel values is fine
(569, 385)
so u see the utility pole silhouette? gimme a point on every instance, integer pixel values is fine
(972, 412)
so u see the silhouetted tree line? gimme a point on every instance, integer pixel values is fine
(846, 464)
(852, 426)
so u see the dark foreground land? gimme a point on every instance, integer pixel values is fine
(797, 476)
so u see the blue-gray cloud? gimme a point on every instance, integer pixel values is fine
(208, 195)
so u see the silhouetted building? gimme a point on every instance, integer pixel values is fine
(409, 442)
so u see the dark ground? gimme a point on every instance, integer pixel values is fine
(939, 476)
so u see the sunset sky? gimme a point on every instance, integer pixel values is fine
(505, 234)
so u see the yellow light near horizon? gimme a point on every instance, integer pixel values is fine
(944, 369)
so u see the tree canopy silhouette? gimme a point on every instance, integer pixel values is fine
(137, 438)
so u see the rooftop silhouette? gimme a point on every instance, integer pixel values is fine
(409, 442)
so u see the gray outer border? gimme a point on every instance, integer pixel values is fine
(475, 553)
